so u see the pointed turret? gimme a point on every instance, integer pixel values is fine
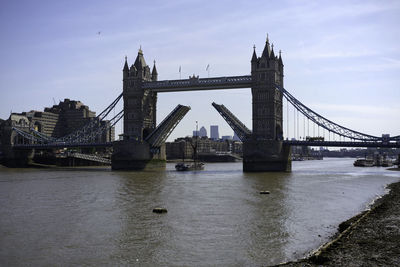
(272, 54)
(154, 73)
(280, 62)
(126, 63)
(254, 60)
(126, 69)
(267, 49)
(254, 57)
(140, 63)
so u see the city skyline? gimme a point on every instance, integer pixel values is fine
(341, 59)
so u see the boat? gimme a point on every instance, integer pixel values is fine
(364, 163)
(195, 166)
(387, 162)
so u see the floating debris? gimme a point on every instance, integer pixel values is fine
(160, 210)
(264, 192)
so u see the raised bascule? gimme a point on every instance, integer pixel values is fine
(264, 147)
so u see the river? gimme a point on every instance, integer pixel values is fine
(216, 217)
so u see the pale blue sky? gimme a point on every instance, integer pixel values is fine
(342, 58)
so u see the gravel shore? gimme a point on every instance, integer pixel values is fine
(371, 238)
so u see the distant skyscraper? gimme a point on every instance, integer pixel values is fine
(196, 133)
(203, 132)
(214, 134)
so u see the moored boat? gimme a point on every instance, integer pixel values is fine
(195, 166)
(364, 163)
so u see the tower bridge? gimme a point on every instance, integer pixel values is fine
(264, 147)
(263, 151)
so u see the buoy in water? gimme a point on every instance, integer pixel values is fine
(264, 192)
(160, 210)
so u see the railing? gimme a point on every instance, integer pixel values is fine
(342, 143)
(89, 157)
(61, 145)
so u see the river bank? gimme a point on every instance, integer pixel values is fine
(370, 238)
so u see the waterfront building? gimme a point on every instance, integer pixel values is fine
(183, 147)
(60, 120)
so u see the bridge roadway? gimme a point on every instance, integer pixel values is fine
(61, 145)
(342, 143)
(289, 142)
(197, 84)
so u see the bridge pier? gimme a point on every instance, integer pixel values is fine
(136, 155)
(266, 156)
(12, 157)
(17, 158)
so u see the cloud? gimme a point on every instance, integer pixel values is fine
(380, 66)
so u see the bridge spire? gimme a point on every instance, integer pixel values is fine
(126, 64)
(126, 68)
(154, 73)
(140, 63)
(272, 55)
(254, 58)
(267, 50)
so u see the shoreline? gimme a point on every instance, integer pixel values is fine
(369, 238)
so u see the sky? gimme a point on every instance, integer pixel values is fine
(342, 58)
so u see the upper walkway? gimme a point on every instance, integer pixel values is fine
(196, 84)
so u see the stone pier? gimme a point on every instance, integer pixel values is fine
(136, 155)
(266, 156)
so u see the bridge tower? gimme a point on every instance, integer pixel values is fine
(265, 151)
(139, 117)
(139, 104)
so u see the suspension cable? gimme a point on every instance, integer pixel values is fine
(325, 123)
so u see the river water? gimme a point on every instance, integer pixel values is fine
(216, 217)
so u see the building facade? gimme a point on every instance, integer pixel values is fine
(62, 119)
(183, 148)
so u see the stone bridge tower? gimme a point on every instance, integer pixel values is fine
(264, 151)
(139, 104)
(267, 71)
